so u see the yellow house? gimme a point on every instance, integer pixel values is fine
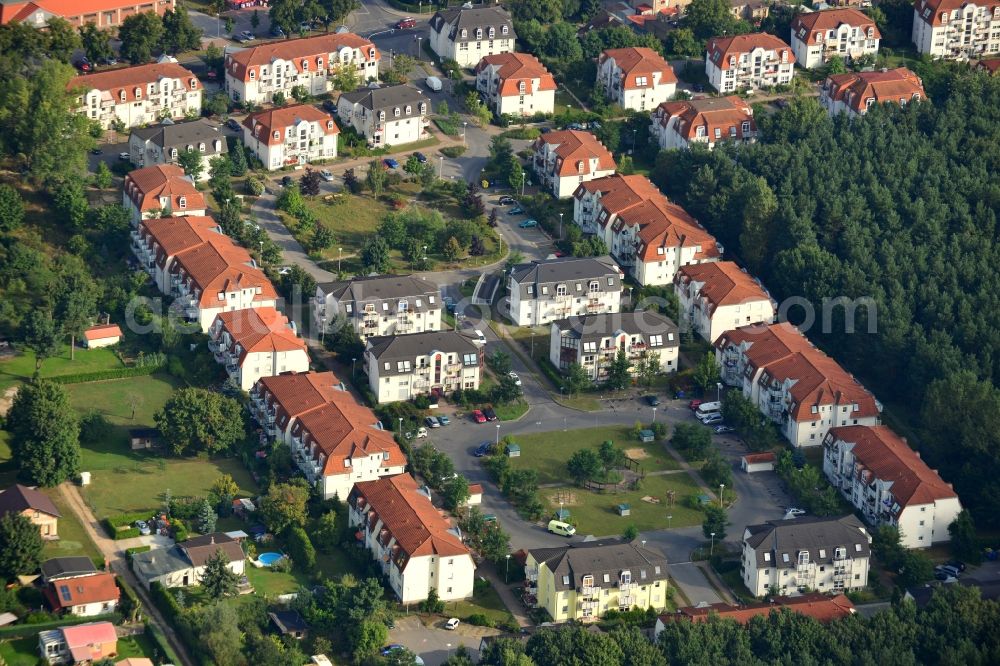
(583, 580)
(34, 505)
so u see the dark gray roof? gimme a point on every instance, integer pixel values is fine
(181, 135)
(199, 549)
(159, 562)
(597, 558)
(20, 498)
(384, 288)
(790, 537)
(483, 16)
(389, 98)
(387, 348)
(640, 322)
(67, 567)
(569, 271)
(288, 621)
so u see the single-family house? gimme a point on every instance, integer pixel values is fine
(84, 596)
(183, 563)
(34, 505)
(78, 645)
(61, 568)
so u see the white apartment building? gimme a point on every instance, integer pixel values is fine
(707, 121)
(516, 84)
(157, 241)
(161, 191)
(161, 144)
(545, 291)
(564, 159)
(593, 341)
(467, 34)
(636, 77)
(255, 74)
(138, 95)
(717, 297)
(888, 482)
(401, 367)
(795, 556)
(388, 116)
(748, 62)
(291, 135)
(335, 441)
(956, 29)
(381, 305)
(255, 343)
(856, 92)
(844, 32)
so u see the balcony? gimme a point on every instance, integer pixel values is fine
(590, 591)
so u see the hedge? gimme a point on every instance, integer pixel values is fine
(165, 601)
(159, 639)
(101, 375)
(121, 526)
(25, 630)
(129, 552)
(130, 599)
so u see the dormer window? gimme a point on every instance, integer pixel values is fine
(819, 36)
(371, 54)
(465, 33)
(522, 87)
(700, 131)
(122, 96)
(319, 63)
(381, 116)
(218, 146)
(395, 112)
(201, 147)
(252, 75)
(182, 202)
(579, 166)
(409, 109)
(329, 124)
(193, 83)
(479, 33)
(869, 102)
(173, 153)
(277, 134)
(503, 30)
(492, 32)
(871, 33)
(746, 127)
(305, 65)
(423, 108)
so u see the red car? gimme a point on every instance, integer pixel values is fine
(478, 416)
(694, 404)
(408, 22)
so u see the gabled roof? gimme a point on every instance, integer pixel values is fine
(815, 605)
(726, 114)
(61, 8)
(297, 393)
(663, 224)
(787, 538)
(513, 68)
(387, 348)
(240, 63)
(200, 549)
(639, 61)
(935, 9)
(639, 322)
(219, 267)
(722, 283)
(148, 185)
(989, 65)
(83, 590)
(765, 344)
(551, 271)
(830, 19)
(472, 18)
(92, 633)
(889, 458)
(856, 88)
(67, 567)
(20, 498)
(135, 661)
(573, 147)
(264, 124)
(102, 332)
(721, 48)
(181, 135)
(114, 82)
(618, 192)
(388, 289)
(258, 330)
(408, 516)
(819, 380)
(611, 557)
(388, 99)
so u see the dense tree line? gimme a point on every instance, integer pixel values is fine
(899, 206)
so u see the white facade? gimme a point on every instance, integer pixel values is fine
(844, 573)
(398, 305)
(748, 62)
(708, 121)
(299, 134)
(719, 297)
(594, 344)
(468, 35)
(138, 95)
(954, 31)
(403, 367)
(636, 78)
(818, 36)
(564, 159)
(392, 122)
(144, 152)
(546, 291)
(281, 353)
(516, 84)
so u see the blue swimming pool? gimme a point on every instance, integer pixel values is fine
(267, 559)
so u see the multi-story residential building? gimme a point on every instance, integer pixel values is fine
(719, 296)
(298, 134)
(381, 305)
(401, 367)
(202, 268)
(467, 34)
(856, 92)
(138, 95)
(956, 29)
(707, 121)
(516, 84)
(102, 13)
(593, 342)
(748, 62)
(794, 384)
(582, 581)
(255, 343)
(820, 607)
(566, 158)
(889, 484)
(255, 74)
(845, 32)
(388, 116)
(415, 546)
(334, 440)
(161, 191)
(34, 505)
(84, 596)
(544, 291)
(161, 144)
(804, 554)
(636, 77)
(183, 564)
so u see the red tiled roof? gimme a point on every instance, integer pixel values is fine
(639, 61)
(146, 186)
(668, 225)
(19, 11)
(720, 48)
(102, 332)
(114, 82)
(475, 489)
(815, 605)
(819, 380)
(276, 120)
(574, 146)
(296, 393)
(712, 113)
(176, 234)
(513, 68)
(256, 330)
(939, 7)
(409, 517)
(767, 344)
(831, 19)
(82, 590)
(222, 266)
(619, 193)
(759, 457)
(991, 65)
(889, 458)
(723, 283)
(239, 64)
(855, 89)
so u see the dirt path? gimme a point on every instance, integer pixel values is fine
(118, 564)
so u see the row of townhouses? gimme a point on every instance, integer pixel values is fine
(564, 159)
(256, 342)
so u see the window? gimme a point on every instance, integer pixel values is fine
(656, 340)
(857, 548)
(319, 63)
(590, 346)
(560, 290)
(492, 32)
(395, 112)
(611, 282)
(746, 127)
(718, 133)
(588, 581)
(822, 554)
(409, 109)
(385, 306)
(804, 557)
(594, 287)
(784, 558)
(479, 33)
(465, 33)
(470, 359)
(253, 75)
(565, 580)
(182, 202)
(503, 30)
(641, 80)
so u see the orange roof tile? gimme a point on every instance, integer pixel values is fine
(856, 88)
(475, 489)
(765, 344)
(723, 283)
(513, 68)
(114, 82)
(618, 193)
(295, 394)
(727, 114)
(990, 65)
(176, 234)
(408, 516)
(82, 590)
(815, 605)
(573, 147)
(940, 7)
(18, 11)
(819, 380)
(219, 267)
(276, 120)
(889, 458)
(102, 332)
(664, 225)
(759, 457)
(831, 19)
(148, 185)
(310, 49)
(255, 330)
(639, 61)
(720, 48)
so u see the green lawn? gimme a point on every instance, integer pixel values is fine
(548, 452)
(485, 601)
(73, 538)
(22, 367)
(597, 514)
(270, 584)
(24, 651)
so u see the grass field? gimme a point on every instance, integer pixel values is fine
(22, 367)
(73, 538)
(548, 452)
(485, 601)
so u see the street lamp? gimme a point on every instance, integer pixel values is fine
(401, 427)
(633, 139)
(465, 126)
(711, 549)
(353, 373)
(630, 297)
(441, 167)
(532, 344)
(722, 489)
(418, 47)
(322, 331)
(560, 226)
(718, 391)
(498, 434)
(670, 519)
(654, 414)
(340, 255)
(506, 573)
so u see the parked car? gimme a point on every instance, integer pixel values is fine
(694, 405)
(329, 106)
(83, 65)
(528, 224)
(305, 27)
(951, 571)
(421, 433)
(723, 429)
(795, 511)
(96, 151)
(513, 375)
(420, 157)
(276, 31)
(408, 22)
(390, 163)
(326, 175)
(561, 528)
(480, 339)
(247, 36)
(483, 449)
(711, 419)
(432, 422)
(489, 414)
(956, 564)
(389, 649)
(544, 130)
(233, 124)
(124, 157)
(444, 420)
(478, 416)
(944, 577)
(449, 304)
(516, 210)
(110, 61)
(452, 624)
(653, 401)
(143, 527)
(506, 200)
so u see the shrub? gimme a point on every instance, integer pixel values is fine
(301, 549)
(453, 151)
(129, 552)
(101, 375)
(479, 620)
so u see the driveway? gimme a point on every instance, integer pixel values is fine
(432, 643)
(692, 582)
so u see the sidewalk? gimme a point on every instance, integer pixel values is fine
(507, 595)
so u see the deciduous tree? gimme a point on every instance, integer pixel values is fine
(20, 546)
(284, 505)
(195, 419)
(140, 35)
(45, 433)
(190, 159)
(96, 43)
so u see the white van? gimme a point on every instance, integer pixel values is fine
(434, 83)
(559, 527)
(706, 408)
(480, 339)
